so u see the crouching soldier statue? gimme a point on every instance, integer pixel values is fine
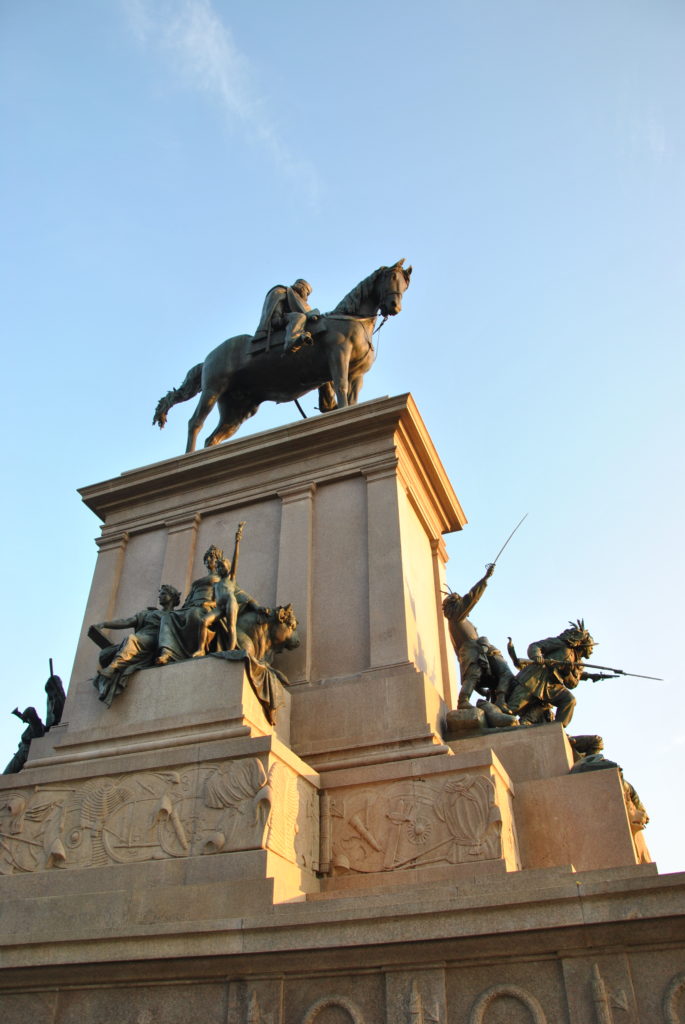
(555, 668)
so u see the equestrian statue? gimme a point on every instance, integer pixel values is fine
(294, 350)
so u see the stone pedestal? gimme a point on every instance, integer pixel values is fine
(365, 859)
(345, 515)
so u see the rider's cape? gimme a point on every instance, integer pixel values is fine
(280, 294)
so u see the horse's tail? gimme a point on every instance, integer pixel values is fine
(190, 387)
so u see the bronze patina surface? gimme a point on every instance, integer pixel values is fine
(238, 380)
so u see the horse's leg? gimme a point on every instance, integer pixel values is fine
(339, 365)
(326, 397)
(204, 407)
(354, 389)
(233, 411)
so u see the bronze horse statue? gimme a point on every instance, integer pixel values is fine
(239, 379)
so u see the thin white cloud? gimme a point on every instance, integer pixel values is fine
(203, 52)
(139, 19)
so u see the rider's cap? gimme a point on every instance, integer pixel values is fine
(306, 284)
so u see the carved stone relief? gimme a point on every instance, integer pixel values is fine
(672, 999)
(298, 817)
(255, 1002)
(201, 809)
(31, 830)
(415, 996)
(420, 1012)
(315, 1011)
(412, 824)
(254, 1011)
(495, 992)
(606, 999)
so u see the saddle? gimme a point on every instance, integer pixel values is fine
(275, 342)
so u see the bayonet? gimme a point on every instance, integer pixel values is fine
(582, 665)
(620, 672)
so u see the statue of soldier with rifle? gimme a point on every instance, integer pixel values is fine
(555, 668)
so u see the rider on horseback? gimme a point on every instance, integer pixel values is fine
(287, 307)
(231, 378)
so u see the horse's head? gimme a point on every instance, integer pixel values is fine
(392, 283)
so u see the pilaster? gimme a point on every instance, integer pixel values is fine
(295, 556)
(387, 600)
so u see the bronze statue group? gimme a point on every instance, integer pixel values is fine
(330, 352)
(217, 617)
(35, 726)
(540, 691)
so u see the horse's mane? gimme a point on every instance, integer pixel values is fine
(352, 302)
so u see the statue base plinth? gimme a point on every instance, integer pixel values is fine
(191, 702)
(377, 716)
(175, 857)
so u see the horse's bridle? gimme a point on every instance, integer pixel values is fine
(388, 295)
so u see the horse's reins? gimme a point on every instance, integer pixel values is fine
(369, 341)
(360, 320)
(378, 344)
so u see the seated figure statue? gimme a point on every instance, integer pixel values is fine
(217, 618)
(207, 622)
(139, 650)
(183, 634)
(287, 308)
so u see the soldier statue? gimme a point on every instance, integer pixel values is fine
(481, 665)
(287, 308)
(555, 668)
(139, 649)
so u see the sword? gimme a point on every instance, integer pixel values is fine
(494, 562)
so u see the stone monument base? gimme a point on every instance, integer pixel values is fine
(483, 883)
(370, 857)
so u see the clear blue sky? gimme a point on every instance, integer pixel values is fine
(164, 162)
